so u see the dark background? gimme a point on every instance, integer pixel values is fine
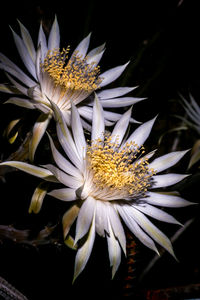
(161, 40)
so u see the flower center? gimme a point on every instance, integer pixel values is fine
(120, 170)
(74, 74)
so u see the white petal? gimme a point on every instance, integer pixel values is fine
(148, 155)
(84, 251)
(121, 127)
(117, 226)
(68, 219)
(101, 218)
(153, 231)
(20, 87)
(194, 104)
(156, 213)
(85, 217)
(120, 102)
(98, 125)
(82, 47)
(95, 55)
(28, 41)
(13, 69)
(30, 169)
(115, 92)
(86, 112)
(113, 250)
(38, 63)
(191, 109)
(24, 54)
(54, 36)
(78, 134)
(67, 180)
(6, 88)
(65, 137)
(20, 102)
(140, 135)
(135, 229)
(112, 74)
(167, 179)
(65, 194)
(43, 42)
(166, 200)
(166, 161)
(62, 162)
(39, 129)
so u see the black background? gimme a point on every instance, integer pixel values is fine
(161, 40)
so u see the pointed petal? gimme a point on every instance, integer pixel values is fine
(166, 200)
(6, 88)
(54, 36)
(69, 218)
(112, 74)
(85, 217)
(166, 161)
(43, 42)
(101, 221)
(67, 180)
(30, 169)
(140, 135)
(98, 125)
(38, 197)
(194, 104)
(121, 127)
(38, 63)
(86, 112)
(167, 179)
(82, 47)
(13, 69)
(95, 55)
(115, 92)
(20, 102)
(24, 54)
(39, 129)
(78, 134)
(62, 162)
(65, 194)
(84, 251)
(120, 102)
(65, 137)
(28, 41)
(156, 213)
(153, 231)
(117, 227)
(69, 242)
(19, 87)
(113, 250)
(136, 230)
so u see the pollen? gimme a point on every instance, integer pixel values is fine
(119, 168)
(74, 73)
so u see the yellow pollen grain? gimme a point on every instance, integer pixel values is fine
(74, 74)
(115, 168)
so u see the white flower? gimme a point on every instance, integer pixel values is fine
(52, 75)
(192, 110)
(192, 120)
(109, 181)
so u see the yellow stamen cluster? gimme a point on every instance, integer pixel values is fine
(119, 169)
(74, 74)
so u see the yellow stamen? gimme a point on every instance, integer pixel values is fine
(119, 169)
(74, 74)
